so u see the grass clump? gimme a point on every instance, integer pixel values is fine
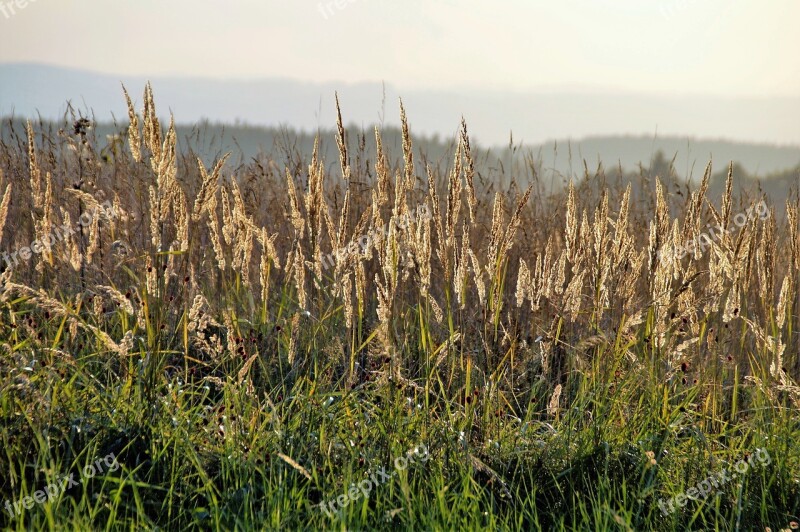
(247, 343)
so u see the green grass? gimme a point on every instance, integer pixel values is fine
(199, 454)
(557, 414)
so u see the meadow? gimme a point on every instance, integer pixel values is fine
(386, 341)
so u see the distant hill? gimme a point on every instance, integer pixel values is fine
(641, 159)
(691, 155)
(290, 112)
(613, 128)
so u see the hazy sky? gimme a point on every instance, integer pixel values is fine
(713, 47)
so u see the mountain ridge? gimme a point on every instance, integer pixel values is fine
(547, 123)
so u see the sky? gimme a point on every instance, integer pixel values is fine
(725, 48)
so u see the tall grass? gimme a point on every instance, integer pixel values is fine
(233, 337)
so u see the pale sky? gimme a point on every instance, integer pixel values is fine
(710, 47)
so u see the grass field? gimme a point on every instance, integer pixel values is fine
(386, 342)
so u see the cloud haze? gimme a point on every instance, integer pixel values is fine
(714, 47)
